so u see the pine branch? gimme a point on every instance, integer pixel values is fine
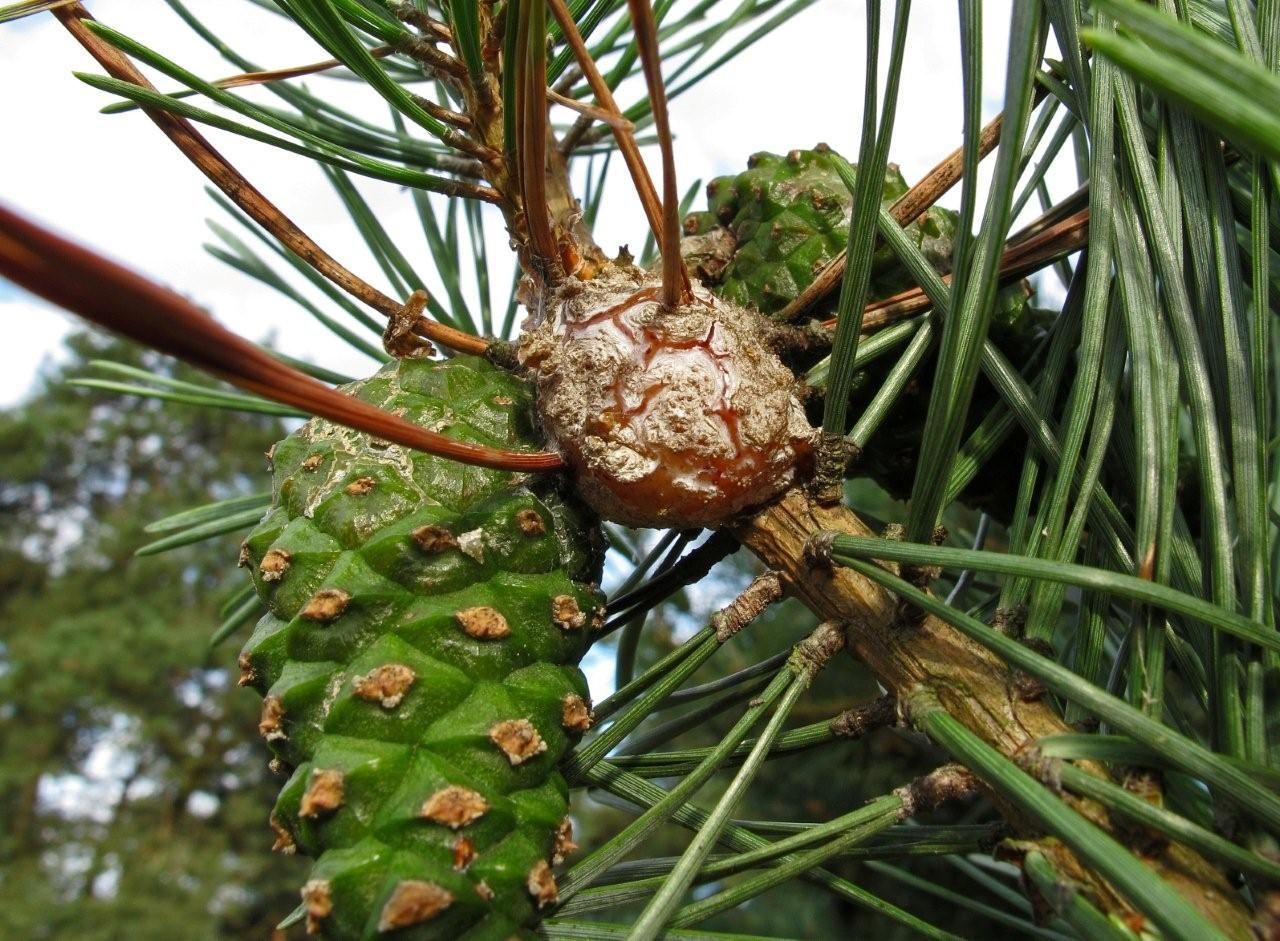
(910, 653)
(230, 181)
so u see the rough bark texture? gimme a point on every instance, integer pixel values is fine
(973, 685)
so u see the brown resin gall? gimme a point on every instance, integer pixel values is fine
(679, 417)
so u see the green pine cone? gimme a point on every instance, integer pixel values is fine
(789, 217)
(419, 662)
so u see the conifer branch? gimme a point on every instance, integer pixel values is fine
(675, 279)
(196, 148)
(604, 96)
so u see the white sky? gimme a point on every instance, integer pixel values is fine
(116, 184)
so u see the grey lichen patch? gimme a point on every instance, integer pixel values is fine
(483, 623)
(284, 839)
(317, 899)
(271, 719)
(564, 844)
(325, 793)
(361, 486)
(433, 539)
(530, 523)
(517, 739)
(566, 614)
(455, 806)
(413, 902)
(464, 853)
(385, 685)
(541, 884)
(575, 714)
(274, 564)
(326, 605)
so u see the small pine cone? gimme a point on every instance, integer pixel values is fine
(394, 667)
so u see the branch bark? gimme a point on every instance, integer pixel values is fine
(907, 652)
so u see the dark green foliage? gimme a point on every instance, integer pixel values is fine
(889, 459)
(419, 661)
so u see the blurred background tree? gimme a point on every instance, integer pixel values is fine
(131, 783)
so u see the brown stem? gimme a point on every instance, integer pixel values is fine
(751, 602)
(461, 121)
(576, 134)
(485, 155)
(1070, 206)
(909, 653)
(126, 303)
(611, 118)
(239, 190)
(572, 76)
(1020, 258)
(408, 13)
(563, 242)
(532, 147)
(604, 95)
(441, 65)
(880, 713)
(675, 279)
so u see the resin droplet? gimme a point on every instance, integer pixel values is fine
(669, 417)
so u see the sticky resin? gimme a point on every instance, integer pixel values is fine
(668, 418)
